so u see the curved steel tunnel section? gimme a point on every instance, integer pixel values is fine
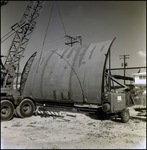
(105, 63)
(72, 74)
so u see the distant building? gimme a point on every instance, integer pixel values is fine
(140, 79)
(140, 84)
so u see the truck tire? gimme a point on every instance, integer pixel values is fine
(125, 115)
(7, 110)
(26, 108)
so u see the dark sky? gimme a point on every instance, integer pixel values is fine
(95, 21)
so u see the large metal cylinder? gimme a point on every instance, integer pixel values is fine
(72, 74)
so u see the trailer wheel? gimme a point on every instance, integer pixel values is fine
(25, 108)
(125, 115)
(7, 110)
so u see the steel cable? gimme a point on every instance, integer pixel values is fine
(61, 18)
(43, 45)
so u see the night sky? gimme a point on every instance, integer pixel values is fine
(95, 21)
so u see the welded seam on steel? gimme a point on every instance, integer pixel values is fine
(73, 71)
(44, 70)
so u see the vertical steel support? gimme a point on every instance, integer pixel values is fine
(109, 70)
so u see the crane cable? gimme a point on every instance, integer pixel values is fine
(42, 46)
(45, 35)
(61, 18)
(13, 30)
(47, 30)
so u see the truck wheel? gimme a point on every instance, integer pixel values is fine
(25, 108)
(7, 110)
(125, 115)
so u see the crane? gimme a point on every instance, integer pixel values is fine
(68, 80)
(10, 66)
(23, 31)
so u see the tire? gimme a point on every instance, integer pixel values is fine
(7, 110)
(125, 115)
(26, 108)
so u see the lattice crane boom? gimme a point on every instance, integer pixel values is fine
(23, 31)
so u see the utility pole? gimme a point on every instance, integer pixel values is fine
(124, 64)
(73, 40)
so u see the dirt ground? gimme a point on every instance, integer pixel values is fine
(74, 131)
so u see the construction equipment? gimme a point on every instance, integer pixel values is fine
(10, 68)
(63, 76)
(77, 76)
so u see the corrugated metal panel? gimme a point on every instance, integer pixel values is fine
(69, 74)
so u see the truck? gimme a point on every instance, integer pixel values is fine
(77, 76)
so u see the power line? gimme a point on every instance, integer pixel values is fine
(55, 40)
(72, 39)
(39, 46)
(55, 45)
(12, 31)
